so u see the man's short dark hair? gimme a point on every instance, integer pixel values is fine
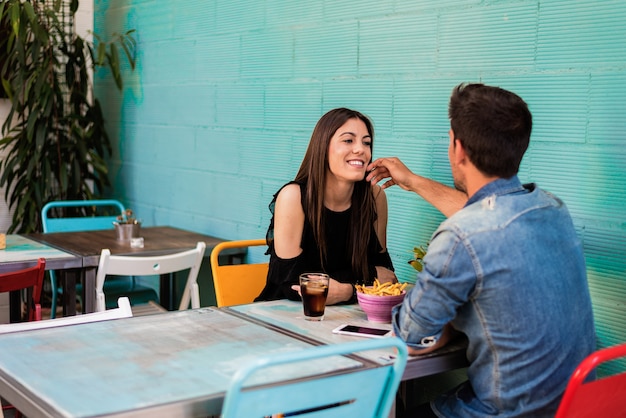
(493, 125)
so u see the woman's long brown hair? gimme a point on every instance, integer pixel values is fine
(313, 172)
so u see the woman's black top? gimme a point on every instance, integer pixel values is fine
(283, 273)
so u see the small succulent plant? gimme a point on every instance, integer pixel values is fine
(418, 255)
(127, 217)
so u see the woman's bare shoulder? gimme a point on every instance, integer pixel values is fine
(289, 194)
(289, 199)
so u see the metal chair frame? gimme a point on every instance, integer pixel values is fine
(603, 397)
(31, 279)
(360, 392)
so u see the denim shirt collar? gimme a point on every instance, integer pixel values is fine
(497, 187)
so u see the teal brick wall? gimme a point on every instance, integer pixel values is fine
(219, 111)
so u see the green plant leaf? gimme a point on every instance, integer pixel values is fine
(56, 143)
(102, 51)
(114, 64)
(30, 13)
(418, 254)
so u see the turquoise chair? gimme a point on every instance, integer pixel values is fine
(360, 392)
(91, 215)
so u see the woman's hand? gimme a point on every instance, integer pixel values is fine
(385, 275)
(337, 292)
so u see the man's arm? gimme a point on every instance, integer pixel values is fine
(446, 335)
(446, 199)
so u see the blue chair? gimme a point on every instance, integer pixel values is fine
(91, 215)
(360, 392)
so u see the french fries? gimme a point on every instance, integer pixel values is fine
(382, 289)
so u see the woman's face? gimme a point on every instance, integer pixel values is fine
(350, 151)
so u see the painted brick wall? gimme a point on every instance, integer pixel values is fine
(220, 109)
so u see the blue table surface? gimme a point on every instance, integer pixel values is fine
(19, 248)
(289, 315)
(127, 364)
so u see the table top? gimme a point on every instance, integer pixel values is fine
(171, 364)
(288, 316)
(158, 240)
(21, 252)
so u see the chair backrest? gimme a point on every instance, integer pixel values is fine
(236, 284)
(358, 392)
(122, 311)
(31, 279)
(149, 266)
(604, 397)
(82, 223)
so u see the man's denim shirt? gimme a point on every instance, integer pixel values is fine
(508, 271)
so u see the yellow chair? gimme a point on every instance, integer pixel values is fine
(236, 284)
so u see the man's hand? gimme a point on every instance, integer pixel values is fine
(447, 199)
(391, 168)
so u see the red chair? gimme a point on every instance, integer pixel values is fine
(30, 279)
(604, 397)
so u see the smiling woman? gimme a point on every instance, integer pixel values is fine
(329, 219)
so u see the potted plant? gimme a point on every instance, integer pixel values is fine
(127, 226)
(55, 132)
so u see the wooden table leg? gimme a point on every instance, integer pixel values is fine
(68, 280)
(15, 306)
(89, 289)
(167, 291)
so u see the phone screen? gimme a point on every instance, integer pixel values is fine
(361, 330)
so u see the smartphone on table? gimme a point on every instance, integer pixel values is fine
(362, 331)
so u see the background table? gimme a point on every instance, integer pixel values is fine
(21, 252)
(287, 316)
(172, 364)
(157, 241)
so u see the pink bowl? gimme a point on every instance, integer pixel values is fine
(378, 308)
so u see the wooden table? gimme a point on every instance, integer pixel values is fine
(287, 316)
(21, 252)
(172, 364)
(157, 241)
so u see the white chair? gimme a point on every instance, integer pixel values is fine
(150, 266)
(122, 311)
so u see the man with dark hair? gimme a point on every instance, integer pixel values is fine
(506, 268)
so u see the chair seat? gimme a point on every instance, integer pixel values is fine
(138, 294)
(117, 286)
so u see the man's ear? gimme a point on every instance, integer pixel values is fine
(458, 152)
